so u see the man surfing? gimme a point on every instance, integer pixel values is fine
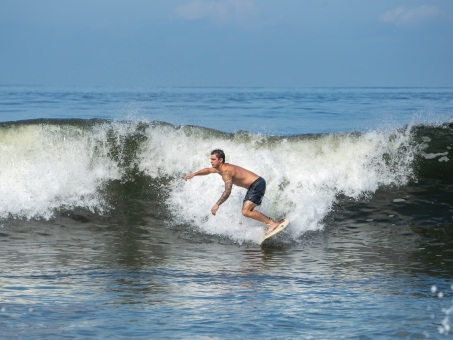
(233, 174)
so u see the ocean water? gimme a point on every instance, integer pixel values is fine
(100, 237)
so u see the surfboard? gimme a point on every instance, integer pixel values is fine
(274, 232)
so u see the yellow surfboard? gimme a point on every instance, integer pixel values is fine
(274, 232)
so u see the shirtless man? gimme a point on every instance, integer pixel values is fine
(233, 174)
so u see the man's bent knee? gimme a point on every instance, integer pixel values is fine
(247, 208)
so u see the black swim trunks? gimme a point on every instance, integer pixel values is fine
(256, 191)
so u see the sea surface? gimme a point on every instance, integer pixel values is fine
(100, 236)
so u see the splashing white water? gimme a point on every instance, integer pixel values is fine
(44, 167)
(51, 166)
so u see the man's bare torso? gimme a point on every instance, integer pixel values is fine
(240, 176)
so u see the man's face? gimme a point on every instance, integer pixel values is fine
(215, 162)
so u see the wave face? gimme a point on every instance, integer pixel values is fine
(98, 166)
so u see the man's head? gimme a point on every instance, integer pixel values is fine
(219, 155)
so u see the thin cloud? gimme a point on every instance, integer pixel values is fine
(221, 12)
(410, 16)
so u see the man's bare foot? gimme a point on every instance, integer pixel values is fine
(273, 226)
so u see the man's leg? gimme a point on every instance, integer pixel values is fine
(248, 211)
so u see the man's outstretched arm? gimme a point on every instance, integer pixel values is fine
(201, 172)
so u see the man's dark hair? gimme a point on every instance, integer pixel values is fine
(219, 154)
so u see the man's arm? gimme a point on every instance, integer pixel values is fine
(201, 172)
(228, 179)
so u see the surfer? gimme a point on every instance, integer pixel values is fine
(233, 174)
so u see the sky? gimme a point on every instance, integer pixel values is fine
(244, 43)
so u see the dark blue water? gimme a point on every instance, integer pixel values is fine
(101, 238)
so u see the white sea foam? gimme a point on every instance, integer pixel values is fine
(44, 167)
(50, 166)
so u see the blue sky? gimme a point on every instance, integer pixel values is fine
(270, 43)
